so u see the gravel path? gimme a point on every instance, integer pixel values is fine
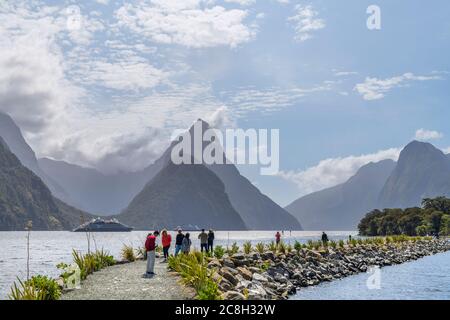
(125, 282)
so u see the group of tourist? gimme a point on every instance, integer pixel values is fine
(183, 244)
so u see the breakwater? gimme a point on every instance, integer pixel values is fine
(276, 275)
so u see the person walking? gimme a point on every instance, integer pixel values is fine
(150, 247)
(166, 240)
(278, 238)
(186, 245)
(210, 241)
(203, 236)
(324, 238)
(179, 242)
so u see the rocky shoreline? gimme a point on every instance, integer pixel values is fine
(270, 275)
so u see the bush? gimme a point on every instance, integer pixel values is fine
(92, 262)
(37, 288)
(333, 244)
(260, 247)
(341, 243)
(272, 246)
(297, 246)
(233, 250)
(247, 247)
(282, 247)
(128, 253)
(193, 269)
(219, 252)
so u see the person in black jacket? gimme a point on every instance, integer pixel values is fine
(211, 241)
(179, 241)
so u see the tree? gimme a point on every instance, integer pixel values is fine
(437, 204)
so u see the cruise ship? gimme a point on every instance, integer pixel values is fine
(101, 225)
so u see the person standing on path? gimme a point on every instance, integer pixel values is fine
(166, 240)
(324, 238)
(210, 241)
(203, 236)
(278, 238)
(150, 247)
(186, 246)
(179, 242)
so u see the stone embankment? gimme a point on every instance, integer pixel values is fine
(271, 275)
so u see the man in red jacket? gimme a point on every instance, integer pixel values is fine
(150, 247)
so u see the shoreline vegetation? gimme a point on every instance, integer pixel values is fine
(254, 272)
(433, 218)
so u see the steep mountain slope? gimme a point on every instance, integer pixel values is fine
(422, 171)
(24, 197)
(341, 207)
(94, 191)
(257, 210)
(13, 137)
(183, 195)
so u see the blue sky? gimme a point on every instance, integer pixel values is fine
(103, 83)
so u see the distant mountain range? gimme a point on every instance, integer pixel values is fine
(422, 171)
(24, 196)
(90, 190)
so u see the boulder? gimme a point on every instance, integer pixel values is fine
(245, 273)
(228, 276)
(260, 278)
(233, 295)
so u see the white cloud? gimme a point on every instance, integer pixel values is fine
(331, 172)
(424, 135)
(345, 73)
(374, 88)
(248, 99)
(306, 22)
(191, 23)
(242, 2)
(447, 150)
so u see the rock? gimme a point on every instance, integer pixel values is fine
(60, 283)
(280, 278)
(243, 285)
(260, 278)
(230, 270)
(233, 295)
(228, 263)
(245, 273)
(238, 256)
(214, 264)
(225, 286)
(228, 276)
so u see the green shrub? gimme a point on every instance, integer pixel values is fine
(37, 288)
(128, 254)
(193, 269)
(91, 262)
(260, 247)
(341, 244)
(219, 252)
(272, 246)
(289, 248)
(333, 244)
(297, 246)
(282, 247)
(233, 250)
(247, 247)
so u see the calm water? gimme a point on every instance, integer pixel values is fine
(424, 279)
(47, 249)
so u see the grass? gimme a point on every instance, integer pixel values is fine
(37, 288)
(260, 247)
(233, 250)
(193, 270)
(219, 252)
(247, 247)
(272, 246)
(91, 262)
(128, 254)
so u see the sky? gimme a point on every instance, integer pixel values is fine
(103, 83)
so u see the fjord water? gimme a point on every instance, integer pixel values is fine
(424, 279)
(427, 278)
